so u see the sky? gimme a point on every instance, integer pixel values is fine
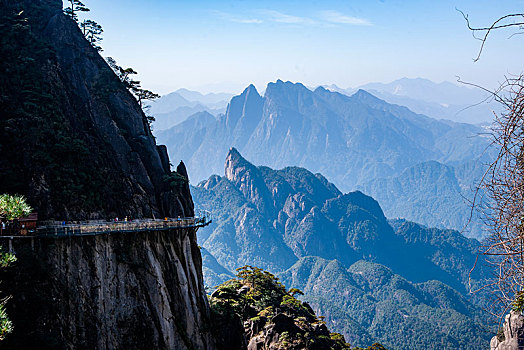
(223, 46)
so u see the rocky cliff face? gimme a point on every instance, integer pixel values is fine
(120, 291)
(76, 143)
(72, 138)
(513, 335)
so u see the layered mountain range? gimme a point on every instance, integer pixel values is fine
(357, 268)
(352, 140)
(445, 100)
(177, 106)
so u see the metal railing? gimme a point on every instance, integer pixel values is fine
(87, 228)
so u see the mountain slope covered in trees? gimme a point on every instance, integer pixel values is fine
(297, 224)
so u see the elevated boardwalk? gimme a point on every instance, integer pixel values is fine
(93, 228)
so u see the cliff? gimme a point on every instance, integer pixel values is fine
(72, 137)
(512, 337)
(77, 144)
(121, 291)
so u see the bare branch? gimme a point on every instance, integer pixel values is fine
(486, 31)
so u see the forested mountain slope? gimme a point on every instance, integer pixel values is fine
(297, 224)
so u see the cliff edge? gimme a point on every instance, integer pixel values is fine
(140, 290)
(72, 137)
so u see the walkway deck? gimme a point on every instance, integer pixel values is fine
(92, 228)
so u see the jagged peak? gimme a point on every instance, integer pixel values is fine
(287, 85)
(248, 92)
(209, 183)
(181, 169)
(234, 154)
(235, 160)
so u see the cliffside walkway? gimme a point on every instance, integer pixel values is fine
(92, 228)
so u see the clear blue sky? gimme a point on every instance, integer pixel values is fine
(226, 45)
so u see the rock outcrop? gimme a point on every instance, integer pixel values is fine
(120, 291)
(72, 137)
(513, 333)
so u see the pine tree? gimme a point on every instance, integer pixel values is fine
(142, 95)
(74, 7)
(92, 32)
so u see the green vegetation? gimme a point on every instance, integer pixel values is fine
(518, 303)
(262, 302)
(6, 326)
(13, 207)
(175, 180)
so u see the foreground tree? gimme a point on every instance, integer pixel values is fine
(257, 307)
(503, 182)
(6, 326)
(13, 207)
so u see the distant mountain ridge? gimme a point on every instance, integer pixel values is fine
(347, 138)
(298, 224)
(174, 108)
(352, 140)
(445, 100)
(433, 194)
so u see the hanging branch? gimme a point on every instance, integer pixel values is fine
(498, 24)
(503, 183)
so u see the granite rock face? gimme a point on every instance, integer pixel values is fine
(121, 291)
(72, 137)
(513, 333)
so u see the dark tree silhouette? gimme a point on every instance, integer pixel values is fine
(142, 95)
(92, 32)
(74, 7)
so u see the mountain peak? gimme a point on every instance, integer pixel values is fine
(235, 163)
(243, 113)
(361, 93)
(251, 89)
(234, 154)
(248, 179)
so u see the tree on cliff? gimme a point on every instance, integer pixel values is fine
(74, 7)
(93, 32)
(142, 95)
